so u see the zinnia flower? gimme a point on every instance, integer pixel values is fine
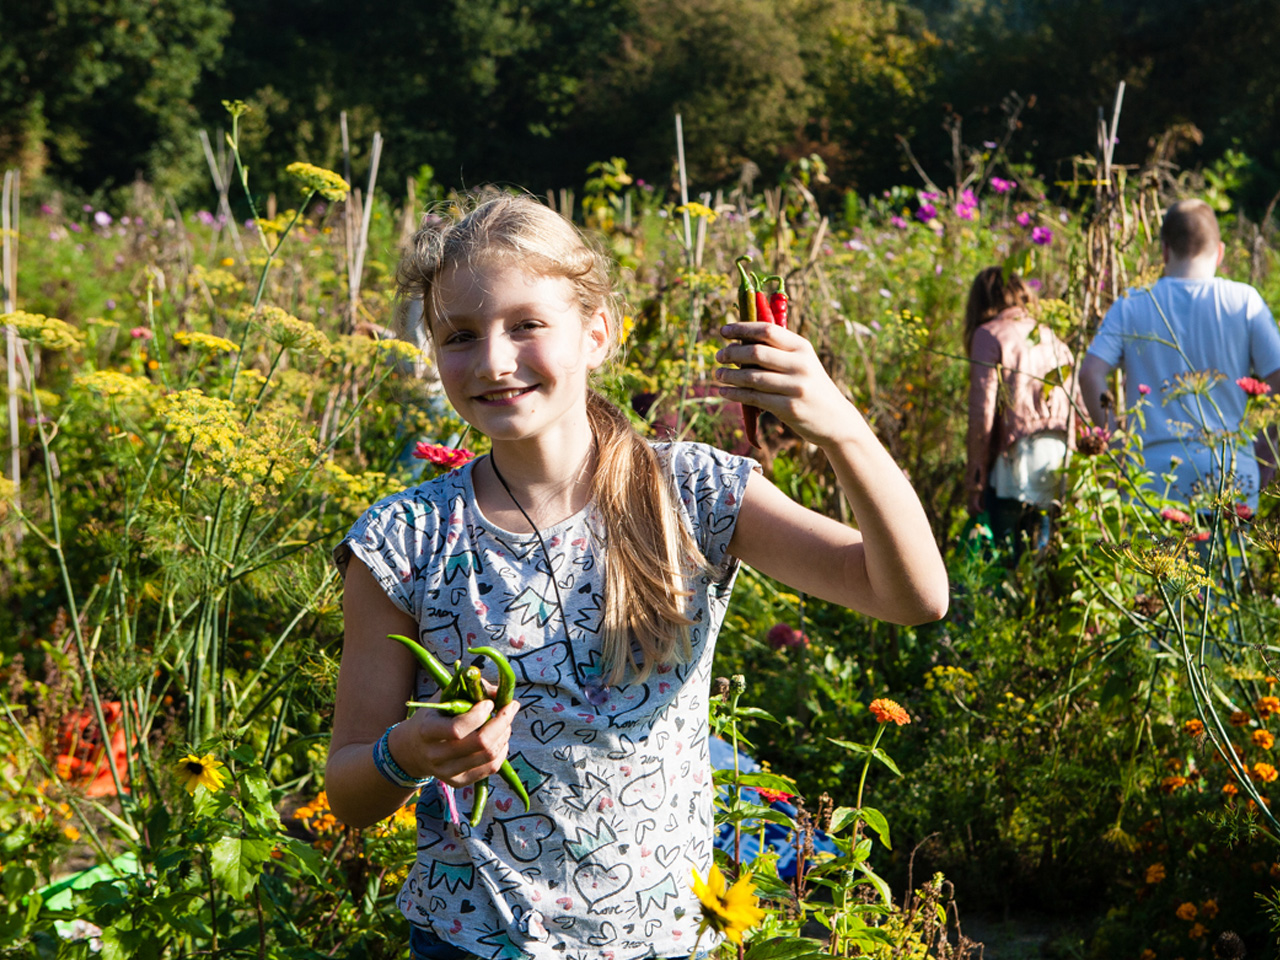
(1000, 185)
(732, 911)
(773, 796)
(198, 772)
(442, 456)
(1244, 511)
(888, 711)
(783, 635)
(1143, 389)
(1254, 388)
(1177, 516)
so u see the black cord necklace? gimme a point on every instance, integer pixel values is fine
(596, 690)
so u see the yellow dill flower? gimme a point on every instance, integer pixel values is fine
(48, 332)
(290, 332)
(695, 209)
(324, 182)
(210, 422)
(220, 282)
(112, 383)
(196, 772)
(206, 341)
(732, 911)
(400, 350)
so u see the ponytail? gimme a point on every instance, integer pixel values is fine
(649, 553)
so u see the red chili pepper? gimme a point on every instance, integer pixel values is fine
(764, 313)
(778, 304)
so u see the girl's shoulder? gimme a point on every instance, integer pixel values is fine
(688, 460)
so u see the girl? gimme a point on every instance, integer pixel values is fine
(1018, 430)
(601, 566)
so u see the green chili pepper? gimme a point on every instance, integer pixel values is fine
(506, 675)
(455, 689)
(472, 686)
(425, 657)
(482, 798)
(454, 707)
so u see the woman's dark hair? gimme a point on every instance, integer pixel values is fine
(991, 294)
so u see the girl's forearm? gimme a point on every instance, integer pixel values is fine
(901, 561)
(358, 794)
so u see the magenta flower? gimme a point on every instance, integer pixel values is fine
(1024, 219)
(1143, 389)
(927, 196)
(1254, 388)
(966, 212)
(141, 333)
(898, 222)
(927, 212)
(782, 635)
(1175, 515)
(102, 218)
(1042, 236)
(1000, 185)
(449, 457)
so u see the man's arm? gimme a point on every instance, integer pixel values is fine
(1094, 374)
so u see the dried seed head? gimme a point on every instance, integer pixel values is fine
(1229, 946)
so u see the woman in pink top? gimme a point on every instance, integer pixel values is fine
(1019, 431)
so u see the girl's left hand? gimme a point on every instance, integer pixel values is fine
(788, 380)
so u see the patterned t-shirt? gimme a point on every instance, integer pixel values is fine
(619, 777)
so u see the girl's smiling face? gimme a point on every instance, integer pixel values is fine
(514, 350)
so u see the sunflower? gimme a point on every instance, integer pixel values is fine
(732, 911)
(203, 771)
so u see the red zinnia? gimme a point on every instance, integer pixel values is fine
(442, 456)
(888, 711)
(1254, 388)
(1244, 511)
(1177, 516)
(773, 796)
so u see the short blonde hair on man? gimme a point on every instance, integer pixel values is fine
(1190, 229)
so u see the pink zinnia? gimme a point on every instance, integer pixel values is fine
(1143, 389)
(1024, 219)
(1200, 536)
(1002, 186)
(1176, 515)
(898, 222)
(141, 333)
(1042, 236)
(442, 456)
(1254, 388)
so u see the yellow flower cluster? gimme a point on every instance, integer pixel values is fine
(324, 182)
(210, 424)
(400, 351)
(113, 384)
(221, 283)
(403, 819)
(47, 332)
(695, 209)
(205, 341)
(948, 678)
(290, 332)
(354, 492)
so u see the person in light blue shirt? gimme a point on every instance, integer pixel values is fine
(1188, 326)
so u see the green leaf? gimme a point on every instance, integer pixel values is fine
(886, 760)
(861, 749)
(770, 781)
(756, 714)
(236, 863)
(882, 888)
(751, 811)
(785, 948)
(877, 822)
(308, 857)
(842, 817)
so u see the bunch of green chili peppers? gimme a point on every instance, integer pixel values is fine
(460, 691)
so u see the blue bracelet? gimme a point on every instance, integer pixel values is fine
(388, 767)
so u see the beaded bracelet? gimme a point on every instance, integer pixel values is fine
(388, 767)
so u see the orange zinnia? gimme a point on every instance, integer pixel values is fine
(888, 711)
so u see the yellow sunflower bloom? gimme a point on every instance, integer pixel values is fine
(198, 772)
(732, 910)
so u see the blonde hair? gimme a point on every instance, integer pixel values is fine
(649, 554)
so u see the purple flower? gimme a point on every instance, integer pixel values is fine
(250, 224)
(74, 227)
(46, 210)
(1024, 219)
(88, 208)
(1042, 236)
(966, 211)
(111, 304)
(1002, 186)
(102, 218)
(1033, 283)
(926, 212)
(205, 217)
(926, 196)
(854, 244)
(898, 222)
(990, 144)
(937, 270)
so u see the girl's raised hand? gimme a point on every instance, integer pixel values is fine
(778, 370)
(456, 750)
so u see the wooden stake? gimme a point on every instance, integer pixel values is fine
(684, 189)
(9, 273)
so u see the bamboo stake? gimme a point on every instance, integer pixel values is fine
(355, 266)
(221, 174)
(9, 229)
(684, 189)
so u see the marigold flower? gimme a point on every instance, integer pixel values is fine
(1170, 784)
(1254, 388)
(1176, 515)
(1263, 739)
(1263, 772)
(1147, 954)
(196, 772)
(1193, 727)
(1230, 789)
(1267, 706)
(1197, 931)
(1238, 718)
(324, 182)
(1187, 911)
(888, 711)
(1155, 873)
(450, 457)
(1209, 908)
(732, 910)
